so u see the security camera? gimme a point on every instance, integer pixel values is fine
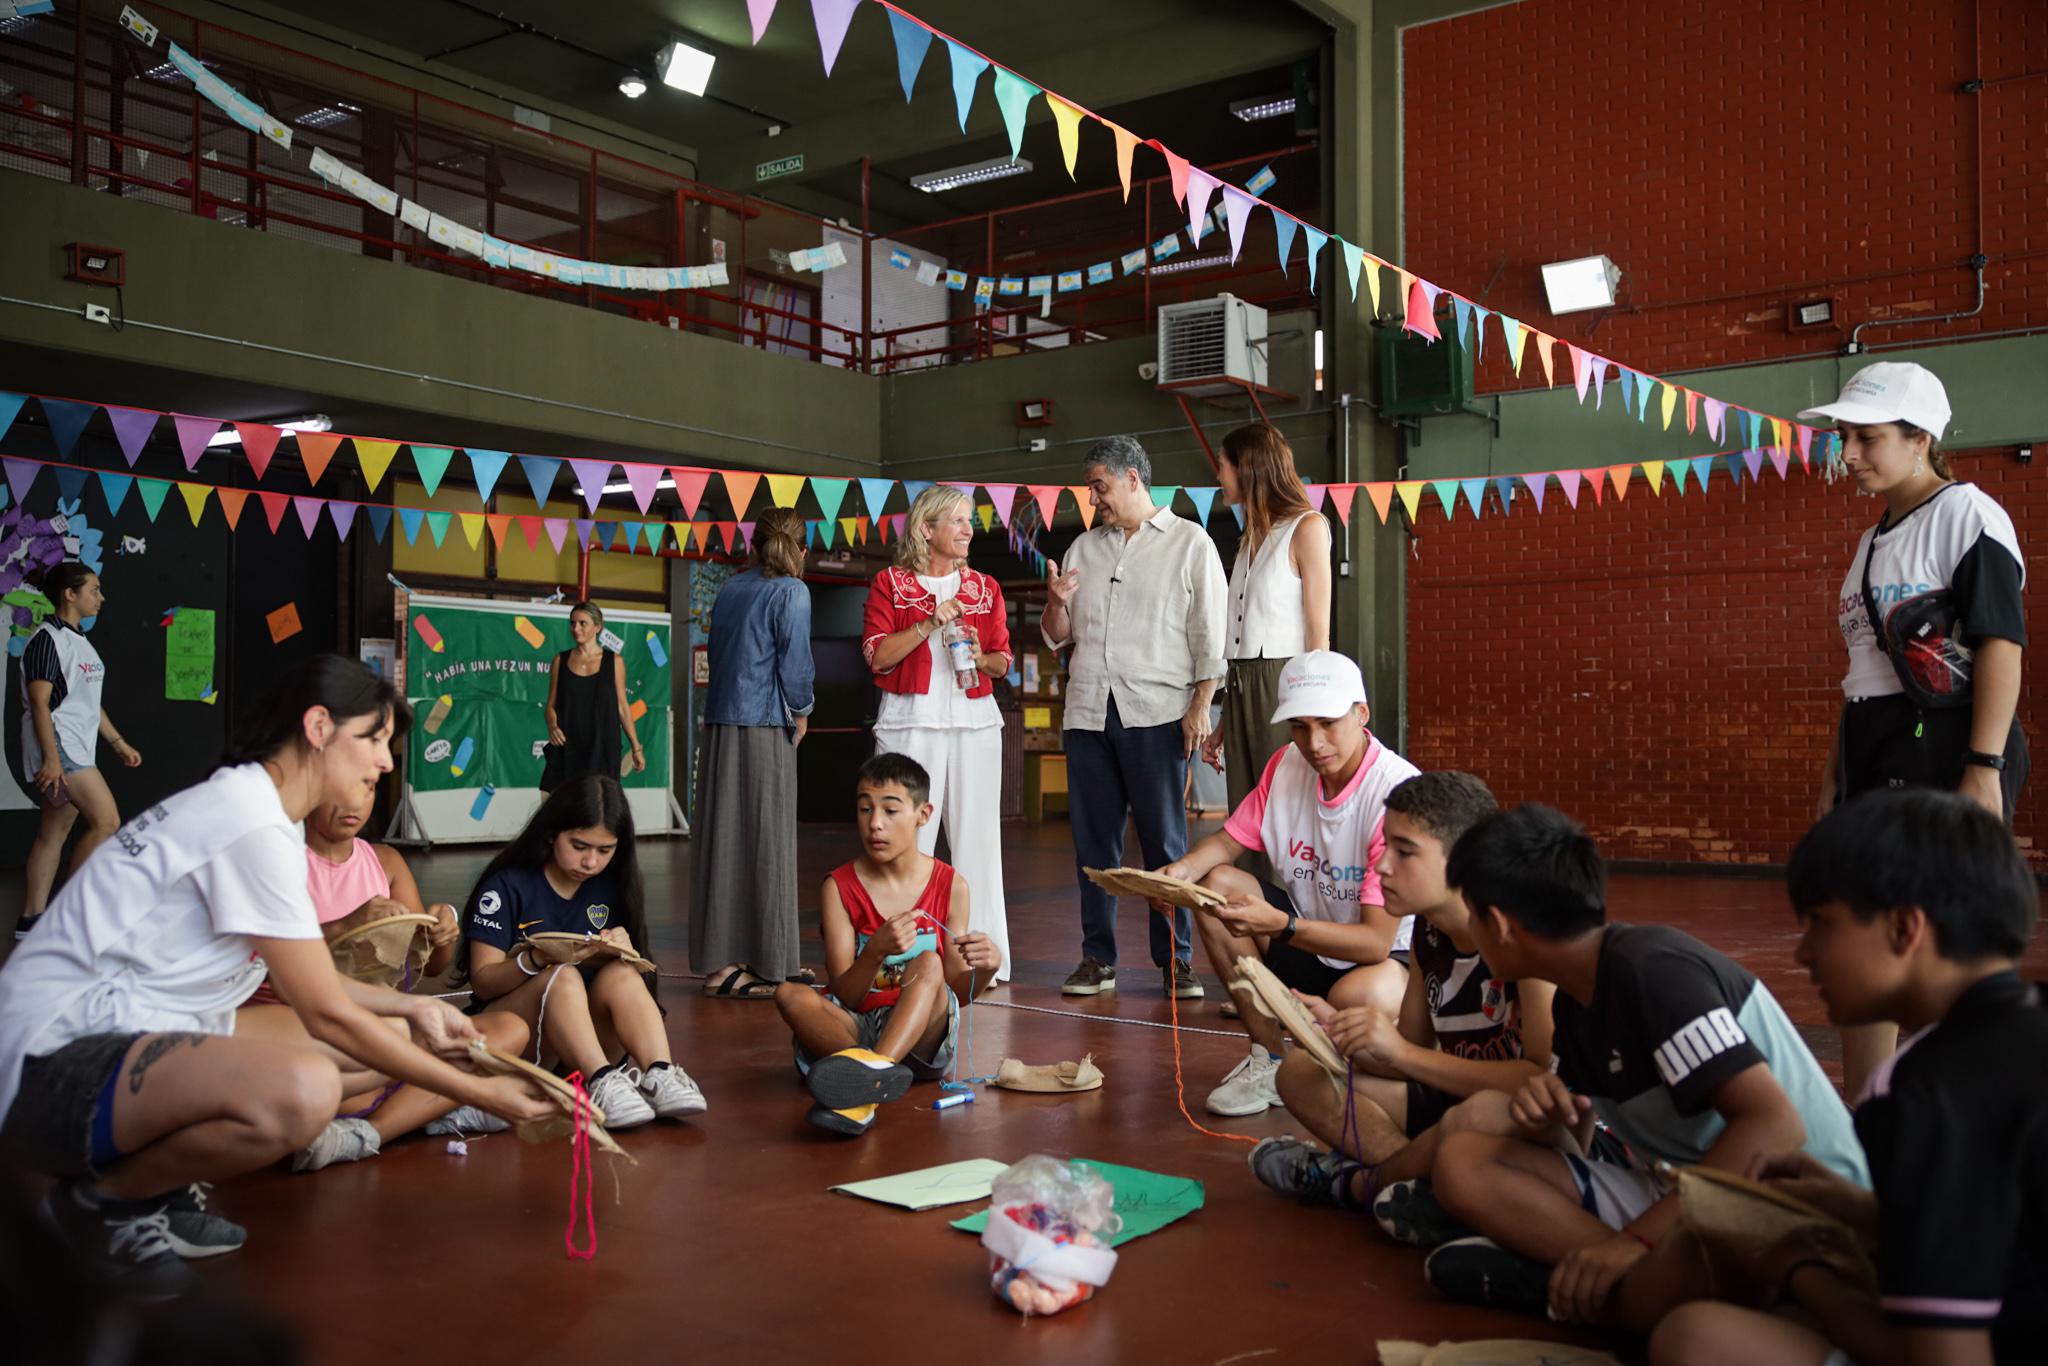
(1149, 370)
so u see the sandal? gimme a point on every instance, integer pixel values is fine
(760, 989)
(803, 977)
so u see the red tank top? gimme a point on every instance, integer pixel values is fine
(932, 903)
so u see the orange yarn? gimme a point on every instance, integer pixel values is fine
(1180, 1094)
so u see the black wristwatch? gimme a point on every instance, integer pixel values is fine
(1293, 919)
(1982, 760)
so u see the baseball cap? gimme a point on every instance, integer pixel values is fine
(1890, 391)
(1320, 683)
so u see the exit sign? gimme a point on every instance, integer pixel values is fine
(773, 170)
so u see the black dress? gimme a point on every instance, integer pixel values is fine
(587, 710)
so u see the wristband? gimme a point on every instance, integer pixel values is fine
(530, 972)
(1980, 759)
(1293, 919)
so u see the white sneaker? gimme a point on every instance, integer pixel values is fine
(343, 1140)
(617, 1093)
(671, 1092)
(1248, 1088)
(465, 1121)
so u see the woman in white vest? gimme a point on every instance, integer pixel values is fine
(1279, 604)
(61, 725)
(121, 1072)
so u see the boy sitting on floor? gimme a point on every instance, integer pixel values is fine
(1683, 1054)
(1316, 816)
(1465, 1039)
(897, 944)
(1915, 907)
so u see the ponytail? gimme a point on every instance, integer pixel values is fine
(347, 688)
(779, 543)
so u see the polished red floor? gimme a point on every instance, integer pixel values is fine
(724, 1244)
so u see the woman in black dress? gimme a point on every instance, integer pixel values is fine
(587, 705)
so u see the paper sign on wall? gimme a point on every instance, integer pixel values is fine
(188, 654)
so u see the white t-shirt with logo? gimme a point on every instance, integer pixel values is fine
(60, 655)
(153, 932)
(1958, 539)
(1324, 851)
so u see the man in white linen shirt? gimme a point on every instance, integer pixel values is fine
(1138, 606)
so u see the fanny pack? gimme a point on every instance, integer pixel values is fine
(1920, 637)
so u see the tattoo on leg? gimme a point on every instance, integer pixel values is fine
(153, 1051)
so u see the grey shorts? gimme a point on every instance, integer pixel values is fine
(62, 1119)
(868, 1026)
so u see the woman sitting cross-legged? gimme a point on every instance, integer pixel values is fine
(121, 1071)
(573, 871)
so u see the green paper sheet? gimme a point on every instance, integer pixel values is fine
(952, 1184)
(188, 655)
(1148, 1201)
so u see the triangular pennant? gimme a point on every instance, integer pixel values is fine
(1013, 96)
(21, 477)
(1803, 434)
(1411, 497)
(1446, 496)
(1203, 498)
(1544, 341)
(1004, 497)
(1163, 495)
(1237, 216)
(643, 480)
(913, 41)
(726, 533)
(1067, 119)
(1354, 257)
(702, 531)
(1382, 496)
(1422, 310)
(431, 464)
(1753, 460)
(830, 493)
(1670, 405)
(529, 527)
(540, 476)
(1176, 171)
(132, 427)
(1733, 462)
(1620, 475)
(591, 476)
(380, 520)
(437, 526)
(1516, 336)
(70, 482)
(1340, 499)
(583, 525)
(875, 493)
(11, 403)
(193, 434)
(1653, 470)
(1475, 494)
(757, 14)
(983, 513)
(1754, 422)
(846, 527)
(1536, 484)
(409, 520)
(1047, 496)
(832, 17)
(1126, 143)
(1461, 317)
(689, 487)
(739, 487)
(315, 450)
(1081, 503)
(374, 457)
(1628, 388)
(557, 529)
(259, 443)
(1237, 511)
(1598, 365)
(1284, 228)
(967, 69)
(150, 491)
(343, 516)
(1504, 490)
(484, 468)
(1314, 242)
(231, 501)
(195, 496)
(1479, 317)
(783, 489)
(1781, 460)
(1201, 185)
(67, 422)
(1582, 369)
(860, 529)
(1315, 496)
(472, 527)
(114, 488)
(681, 531)
(275, 505)
(309, 514)
(1692, 411)
(1716, 410)
(1677, 469)
(1568, 480)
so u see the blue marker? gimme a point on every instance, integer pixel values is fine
(462, 753)
(482, 802)
(947, 1102)
(657, 649)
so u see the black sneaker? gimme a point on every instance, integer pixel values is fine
(127, 1242)
(1309, 1174)
(1409, 1212)
(855, 1077)
(1182, 982)
(25, 924)
(1091, 977)
(1481, 1271)
(197, 1232)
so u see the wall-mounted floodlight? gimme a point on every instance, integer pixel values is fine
(686, 68)
(1575, 286)
(632, 85)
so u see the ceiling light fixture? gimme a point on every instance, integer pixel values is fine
(953, 177)
(1575, 286)
(1263, 107)
(665, 482)
(686, 68)
(311, 422)
(632, 85)
(1192, 263)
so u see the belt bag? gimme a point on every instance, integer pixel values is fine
(1919, 636)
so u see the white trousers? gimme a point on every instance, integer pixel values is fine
(966, 769)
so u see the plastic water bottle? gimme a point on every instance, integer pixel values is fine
(960, 646)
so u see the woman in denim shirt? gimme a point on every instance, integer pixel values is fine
(743, 891)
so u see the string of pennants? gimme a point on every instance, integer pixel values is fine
(1415, 298)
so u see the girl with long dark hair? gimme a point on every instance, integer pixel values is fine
(573, 870)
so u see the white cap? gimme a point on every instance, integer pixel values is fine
(1320, 683)
(1890, 391)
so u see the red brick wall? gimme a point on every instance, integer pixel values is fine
(1667, 668)
(1771, 151)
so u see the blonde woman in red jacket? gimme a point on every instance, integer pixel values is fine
(938, 702)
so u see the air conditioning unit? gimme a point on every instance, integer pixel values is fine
(1212, 346)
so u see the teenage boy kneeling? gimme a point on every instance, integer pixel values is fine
(1685, 1056)
(1915, 907)
(897, 943)
(1465, 1039)
(1316, 816)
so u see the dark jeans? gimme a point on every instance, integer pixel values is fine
(1113, 775)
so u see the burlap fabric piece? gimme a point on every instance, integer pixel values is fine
(558, 946)
(1154, 887)
(1752, 1235)
(1052, 1078)
(1276, 1002)
(490, 1061)
(384, 950)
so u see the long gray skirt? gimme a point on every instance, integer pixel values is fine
(743, 891)
(1251, 692)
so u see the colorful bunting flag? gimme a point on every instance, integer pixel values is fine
(1013, 96)
(431, 464)
(484, 468)
(67, 422)
(913, 41)
(967, 69)
(832, 17)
